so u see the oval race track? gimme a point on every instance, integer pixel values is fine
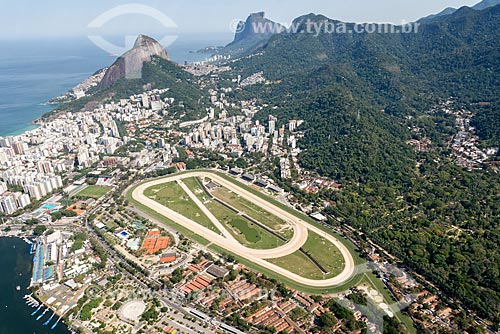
(227, 241)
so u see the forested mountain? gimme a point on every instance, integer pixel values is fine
(448, 11)
(378, 78)
(487, 124)
(145, 67)
(461, 53)
(359, 95)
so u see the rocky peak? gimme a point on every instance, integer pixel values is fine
(256, 28)
(129, 65)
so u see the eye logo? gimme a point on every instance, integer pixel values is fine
(128, 9)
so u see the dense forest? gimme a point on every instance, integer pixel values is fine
(487, 124)
(359, 95)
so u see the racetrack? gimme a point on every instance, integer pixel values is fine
(227, 241)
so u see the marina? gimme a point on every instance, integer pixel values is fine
(46, 323)
(41, 315)
(20, 306)
(30, 301)
(36, 311)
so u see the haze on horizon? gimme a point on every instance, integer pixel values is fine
(60, 18)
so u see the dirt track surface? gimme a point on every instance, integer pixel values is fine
(226, 241)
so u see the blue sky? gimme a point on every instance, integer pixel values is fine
(57, 18)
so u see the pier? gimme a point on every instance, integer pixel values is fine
(55, 324)
(41, 315)
(36, 311)
(46, 323)
(31, 301)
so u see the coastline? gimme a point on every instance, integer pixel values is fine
(33, 124)
(22, 109)
(18, 258)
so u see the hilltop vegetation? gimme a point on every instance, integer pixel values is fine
(159, 74)
(359, 95)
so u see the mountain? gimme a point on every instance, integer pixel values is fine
(363, 97)
(130, 64)
(440, 58)
(146, 66)
(448, 11)
(486, 4)
(255, 31)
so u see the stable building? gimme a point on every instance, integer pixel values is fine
(248, 177)
(276, 189)
(217, 271)
(168, 258)
(261, 183)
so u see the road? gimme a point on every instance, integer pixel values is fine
(115, 257)
(301, 229)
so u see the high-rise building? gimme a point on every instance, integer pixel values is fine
(34, 190)
(44, 167)
(145, 100)
(18, 147)
(5, 142)
(272, 124)
(282, 131)
(8, 204)
(23, 200)
(3, 188)
(161, 143)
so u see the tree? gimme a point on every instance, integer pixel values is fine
(327, 319)
(39, 230)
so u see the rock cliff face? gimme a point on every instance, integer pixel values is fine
(255, 29)
(129, 65)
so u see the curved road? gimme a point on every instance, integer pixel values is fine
(227, 242)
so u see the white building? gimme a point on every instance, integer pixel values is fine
(8, 204)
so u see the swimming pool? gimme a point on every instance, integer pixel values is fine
(49, 206)
(124, 235)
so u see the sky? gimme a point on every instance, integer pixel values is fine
(62, 18)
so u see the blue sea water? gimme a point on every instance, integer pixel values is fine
(15, 315)
(34, 71)
(31, 73)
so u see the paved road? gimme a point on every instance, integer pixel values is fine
(301, 229)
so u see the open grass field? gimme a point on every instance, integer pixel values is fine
(95, 192)
(322, 251)
(300, 264)
(192, 183)
(251, 235)
(326, 253)
(243, 230)
(254, 211)
(171, 195)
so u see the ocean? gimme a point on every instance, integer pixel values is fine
(15, 315)
(33, 72)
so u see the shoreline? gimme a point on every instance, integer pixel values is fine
(27, 290)
(180, 52)
(35, 123)
(32, 125)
